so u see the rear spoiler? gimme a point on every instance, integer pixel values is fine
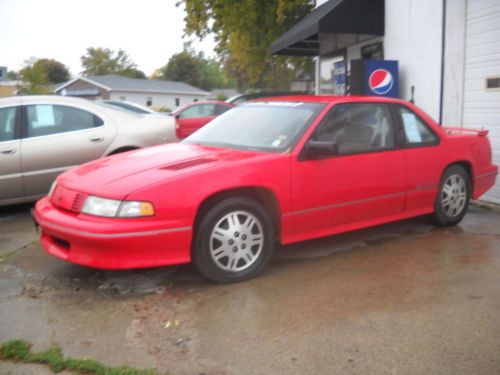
(477, 132)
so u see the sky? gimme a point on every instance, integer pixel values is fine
(150, 31)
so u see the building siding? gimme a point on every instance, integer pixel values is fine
(481, 107)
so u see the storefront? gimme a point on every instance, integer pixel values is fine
(447, 51)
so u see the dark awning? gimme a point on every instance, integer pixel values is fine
(332, 26)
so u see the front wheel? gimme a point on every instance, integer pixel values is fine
(234, 240)
(453, 197)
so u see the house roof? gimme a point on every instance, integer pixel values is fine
(119, 83)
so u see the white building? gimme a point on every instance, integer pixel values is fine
(448, 51)
(152, 93)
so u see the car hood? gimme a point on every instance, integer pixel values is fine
(118, 175)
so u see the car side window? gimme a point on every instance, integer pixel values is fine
(201, 110)
(220, 109)
(357, 127)
(415, 130)
(7, 123)
(48, 119)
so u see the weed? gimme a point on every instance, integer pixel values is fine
(20, 351)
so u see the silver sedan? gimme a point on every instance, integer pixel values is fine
(42, 136)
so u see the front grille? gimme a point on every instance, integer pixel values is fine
(78, 202)
(67, 199)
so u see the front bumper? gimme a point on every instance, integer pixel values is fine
(109, 243)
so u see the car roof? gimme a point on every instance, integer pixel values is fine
(43, 97)
(210, 102)
(328, 99)
(185, 106)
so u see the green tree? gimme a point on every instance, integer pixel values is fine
(184, 67)
(193, 68)
(244, 31)
(38, 75)
(56, 72)
(100, 61)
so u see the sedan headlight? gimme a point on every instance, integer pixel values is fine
(113, 208)
(136, 209)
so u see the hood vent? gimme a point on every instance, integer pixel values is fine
(187, 164)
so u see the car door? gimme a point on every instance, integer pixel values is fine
(57, 137)
(11, 181)
(423, 158)
(363, 177)
(194, 117)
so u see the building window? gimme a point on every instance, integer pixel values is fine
(195, 100)
(177, 102)
(123, 98)
(493, 83)
(149, 101)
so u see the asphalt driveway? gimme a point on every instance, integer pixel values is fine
(403, 298)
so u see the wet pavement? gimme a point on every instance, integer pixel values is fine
(403, 298)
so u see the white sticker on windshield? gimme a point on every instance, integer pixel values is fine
(276, 143)
(275, 104)
(411, 128)
(44, 116)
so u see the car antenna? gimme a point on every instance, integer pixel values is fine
(412, 99)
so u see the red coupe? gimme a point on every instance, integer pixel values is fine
(277, 170)
(193, 116)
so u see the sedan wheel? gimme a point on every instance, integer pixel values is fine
(236, 241)
(453, 197)
(233, 241)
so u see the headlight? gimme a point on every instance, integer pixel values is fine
(101, 206)
(136, 209)
(113, 208)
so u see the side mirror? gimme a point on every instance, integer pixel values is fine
(320, 149)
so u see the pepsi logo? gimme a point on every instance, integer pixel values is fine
(380, 81)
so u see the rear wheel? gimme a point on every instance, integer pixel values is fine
(234, 241)
(453, 197)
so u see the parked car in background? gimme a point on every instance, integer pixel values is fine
(42, 136)
(128, 106)
(193, 116)
(242, 98)
(282, 170)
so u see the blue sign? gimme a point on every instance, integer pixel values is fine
(381, 78)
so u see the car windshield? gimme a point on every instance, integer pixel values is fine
(263, 126)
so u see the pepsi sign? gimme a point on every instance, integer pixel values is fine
(374, 78)
(380, 81)
(381, 78)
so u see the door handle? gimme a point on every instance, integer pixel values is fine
(96, 139)
(9, 151)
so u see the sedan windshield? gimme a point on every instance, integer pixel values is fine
(263, 126)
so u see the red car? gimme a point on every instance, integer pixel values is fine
(280, 170)
(191, 117)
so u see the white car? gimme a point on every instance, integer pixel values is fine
(129, 106)
(42, 136)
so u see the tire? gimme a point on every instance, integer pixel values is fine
(234, 241)
(453, 197)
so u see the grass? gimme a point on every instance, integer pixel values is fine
(20, 351)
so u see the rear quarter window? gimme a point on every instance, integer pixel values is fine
(416, 132)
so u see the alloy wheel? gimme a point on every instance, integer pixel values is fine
(454, 195)
(236, 241)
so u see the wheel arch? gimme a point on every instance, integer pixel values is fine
(468, 168)
(266, 197)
